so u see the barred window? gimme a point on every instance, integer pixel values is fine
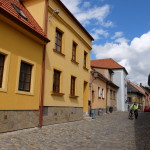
(58, 41)
(74, 47)
(25, 77)
(72, 89)
(2, 60)
(56, 81)
(85, 59)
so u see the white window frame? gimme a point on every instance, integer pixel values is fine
(99, 92)
(20, 59)
(6, 70)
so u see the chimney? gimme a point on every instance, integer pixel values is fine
(140, 84)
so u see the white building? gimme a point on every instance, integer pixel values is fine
(118, 77)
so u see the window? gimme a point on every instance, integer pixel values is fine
(74, 47)
(25, 77)
(2, 60)
(19, 11)
(130, 99)
(114, 95)
(85, 58)
(58, 41)
(56, 81)
(103, 93)
(99, 92)
(72, 89)
(110, 94)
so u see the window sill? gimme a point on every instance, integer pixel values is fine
(74, 61)
(60, 53)
(85, 68)
(73, 96)
(3, 90)
(57, 94)
(24, 93)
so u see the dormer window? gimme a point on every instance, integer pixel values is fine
(20, 12)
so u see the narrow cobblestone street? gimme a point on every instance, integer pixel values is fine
(109, 132)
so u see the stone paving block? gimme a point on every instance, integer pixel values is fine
(108, 132)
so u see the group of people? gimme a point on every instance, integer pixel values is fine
(133, 109)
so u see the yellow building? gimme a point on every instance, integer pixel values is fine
(66, 90)
(102, 94)
(21, 51)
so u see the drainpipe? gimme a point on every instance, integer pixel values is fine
(106, 97)
(43, 67)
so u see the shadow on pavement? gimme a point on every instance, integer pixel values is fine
(142, 131)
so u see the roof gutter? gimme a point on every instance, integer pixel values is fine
(43, 66)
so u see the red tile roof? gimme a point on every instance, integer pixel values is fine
(140, 89)
(30, 24)
(108, 63)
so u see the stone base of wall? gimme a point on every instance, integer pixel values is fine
(55, 115)
(15, 120)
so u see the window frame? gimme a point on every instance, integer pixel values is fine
(25, 70)
(55, 83)
(2, 63)
(103, 93)
(85, 60)
(99, 92)
(58, 42)
(73, 86)
(74, 51)
(20, 12)
(33, 73)
(7, 55)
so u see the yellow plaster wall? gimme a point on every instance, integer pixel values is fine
(104, 72)
(98, 102)
(53, 5)
(18, 45)
(37, 7)
(72, 32)
(64, 64)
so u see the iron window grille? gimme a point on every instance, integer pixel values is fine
(58, 41)
(56, 81)
(74, 47)
(25, 77)
(85, 58)
(2, 60)
(72, 89)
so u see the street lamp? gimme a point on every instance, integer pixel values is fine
(54, 12)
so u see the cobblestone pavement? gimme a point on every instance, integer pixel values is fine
(109, 132)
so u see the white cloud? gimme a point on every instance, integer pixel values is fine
(86, 16)
(117, 35)
(72, 5)
(122, 40)
(141, 44)
(99, 33)
(134, 56)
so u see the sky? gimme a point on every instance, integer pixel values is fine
(121, 29)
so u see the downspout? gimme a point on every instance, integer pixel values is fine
(106, 97)
(43, 66)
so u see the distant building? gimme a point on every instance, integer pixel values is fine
(103, 94)
(117, 74)
(137, 93)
